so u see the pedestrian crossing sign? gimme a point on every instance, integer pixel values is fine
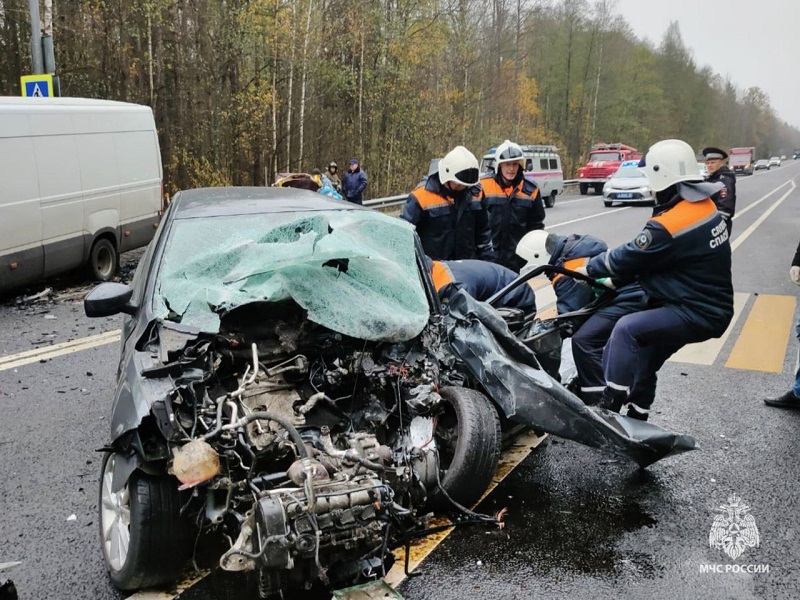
(37, 86)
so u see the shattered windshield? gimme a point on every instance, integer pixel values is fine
(354, 272)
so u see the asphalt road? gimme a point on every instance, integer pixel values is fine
(580, 524)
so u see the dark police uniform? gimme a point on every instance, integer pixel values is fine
(451, 225)
(682, 259)
(725, 199)
(481, 280)
(514, 210)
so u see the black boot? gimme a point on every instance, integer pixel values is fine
(788, 400)
(613, 399)
(635, 412)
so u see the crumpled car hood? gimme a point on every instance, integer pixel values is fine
(354, 272)
(510, 374)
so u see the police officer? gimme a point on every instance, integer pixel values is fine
(682, 259)
(514, 203)
(718, 171)
(590, 333)
(447, 210)
(481, 280)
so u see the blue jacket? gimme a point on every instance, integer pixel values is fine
(682, 258)
(451, 225)
(575, 251)
(481, 280)
(353, 185)
(514, 210)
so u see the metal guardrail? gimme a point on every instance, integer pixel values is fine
(401, 198)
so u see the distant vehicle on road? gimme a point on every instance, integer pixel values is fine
(762, 164)
(742, 160)
(82, 182)
(604, 160)
(796, 154)
(774, 162)
(783, 157)
(628, 185)
(703, 169)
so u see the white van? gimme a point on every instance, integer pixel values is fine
(542, 166)
(81, 182)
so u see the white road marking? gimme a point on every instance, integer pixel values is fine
(739, 213)
(594, 216)
(747, 232)
(47, 352)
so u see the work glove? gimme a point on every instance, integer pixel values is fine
(794, 274)
(606, 281)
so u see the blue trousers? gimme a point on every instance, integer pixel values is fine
(588, 344)
(640, 344)
(796, 386)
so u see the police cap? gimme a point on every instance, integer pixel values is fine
(712, 152)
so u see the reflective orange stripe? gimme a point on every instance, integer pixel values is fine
(573, 264)
(492, 188)
(685, 214)
(441, 275)
(428, 199)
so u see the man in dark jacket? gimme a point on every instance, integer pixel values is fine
(718, 171)
(481, 280)
(791, 399)
(446, 208)
(354, 182)
(682, 259)
(591, 333)
(514, 204)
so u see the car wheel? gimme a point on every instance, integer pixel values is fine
(583, 188)
(598, 189)
(607, 203)
(550, 201)
(468, 438)
(143, 536)
(103, 260)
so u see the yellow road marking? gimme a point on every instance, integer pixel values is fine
(762, 343)
(705, 353)
(420, 549)
(47, 352)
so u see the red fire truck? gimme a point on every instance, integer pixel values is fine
(604, 160)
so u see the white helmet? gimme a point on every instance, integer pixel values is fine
(536, 247)
(459, 165)
(669, 162)
(509, 152)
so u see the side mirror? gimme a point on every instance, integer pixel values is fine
(109, 299)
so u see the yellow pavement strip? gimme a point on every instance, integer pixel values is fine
(761, 345)
(31, 356)
(420, 549)
(705, 353)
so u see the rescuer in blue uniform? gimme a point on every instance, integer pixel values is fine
(682, 258)
(718, 171)
(513, 202)
(446, 208)
(591, 333)
(481, 280)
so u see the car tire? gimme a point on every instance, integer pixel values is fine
(103, 260)
(607, 203)
(583, 188)
(468, 438)
(144, 538)
(598, 189)
(550, 201)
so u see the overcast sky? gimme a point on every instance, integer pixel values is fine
(756, 42)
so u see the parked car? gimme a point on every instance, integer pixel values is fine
(783, 157)
(774, 162)
(762, 163)
(628, 185)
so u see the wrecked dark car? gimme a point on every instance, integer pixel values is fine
(292, 393)
(284, 385)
